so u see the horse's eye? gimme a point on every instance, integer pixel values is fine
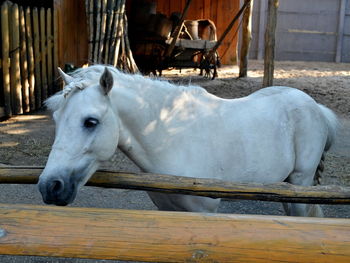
(90, 123)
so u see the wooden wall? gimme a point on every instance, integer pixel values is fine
(73, 36)
(220, 12)
(72, 32)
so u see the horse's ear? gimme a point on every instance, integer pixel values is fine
(66, 78)
(106, 81)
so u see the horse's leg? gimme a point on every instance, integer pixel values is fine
(178, 202)
(296, 209)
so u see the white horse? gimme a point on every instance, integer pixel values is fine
(276, 134)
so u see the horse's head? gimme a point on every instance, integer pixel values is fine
(87, 132)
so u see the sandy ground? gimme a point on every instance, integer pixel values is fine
(26, 140)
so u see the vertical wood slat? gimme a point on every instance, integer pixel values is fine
(43, 52)
(15, 76)
(49, 39)
(112, 52)
(37, 55)
(270, 43)
(24, 62)
(103, 30)
(55, 45)
(88, 4)
(340, 35)
(91, 18)
(110, 7)
(97, 33)
(119, 34)
(5, 58)
(30, 58)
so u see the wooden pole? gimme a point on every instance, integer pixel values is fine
(246, 38)
(262, 18)
(16, 88)
(119, 33)
(43, 53)
(24, 62)
(49, 37)
(37, 58)
(133, 67)
(5, 38)
(98, 30)
(102, 31)
(279, 192)
(270, 42)
(109, 22)
(340, 34)
(112, 54)
(30, 58)
(55, 48)
(155, 236)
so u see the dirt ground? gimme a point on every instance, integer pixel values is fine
(26, 139)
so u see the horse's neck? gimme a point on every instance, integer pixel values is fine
(141, 108)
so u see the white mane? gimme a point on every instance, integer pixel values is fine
(85, 77)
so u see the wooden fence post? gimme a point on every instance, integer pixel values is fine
(43, 53)
(55, 48)
(270, 42)
(24, 62)
(16, 89)
(98, 31)
(5, 58)
(49, 38)
(340, 33)
(37, 58)
(30, 58)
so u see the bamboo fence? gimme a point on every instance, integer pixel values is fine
(28, 58)
(108, 34)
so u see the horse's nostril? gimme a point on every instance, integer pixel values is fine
(56, 186)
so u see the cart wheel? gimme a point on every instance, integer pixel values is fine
(209, 63)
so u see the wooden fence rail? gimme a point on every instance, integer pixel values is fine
(281, 192)
(156, 236)
(27, 58)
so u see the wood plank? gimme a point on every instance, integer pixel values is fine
(43, 54)
(279, 192)
(49, 41)
(193, 44)
(30, 58)
(37, 58)
(228, 48)
(5, 38)
(270, 43)
(24, 62)
(207, 7)
(340, 34)
(15, 71)
(155, 236)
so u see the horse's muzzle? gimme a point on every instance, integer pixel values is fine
(59, 190)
